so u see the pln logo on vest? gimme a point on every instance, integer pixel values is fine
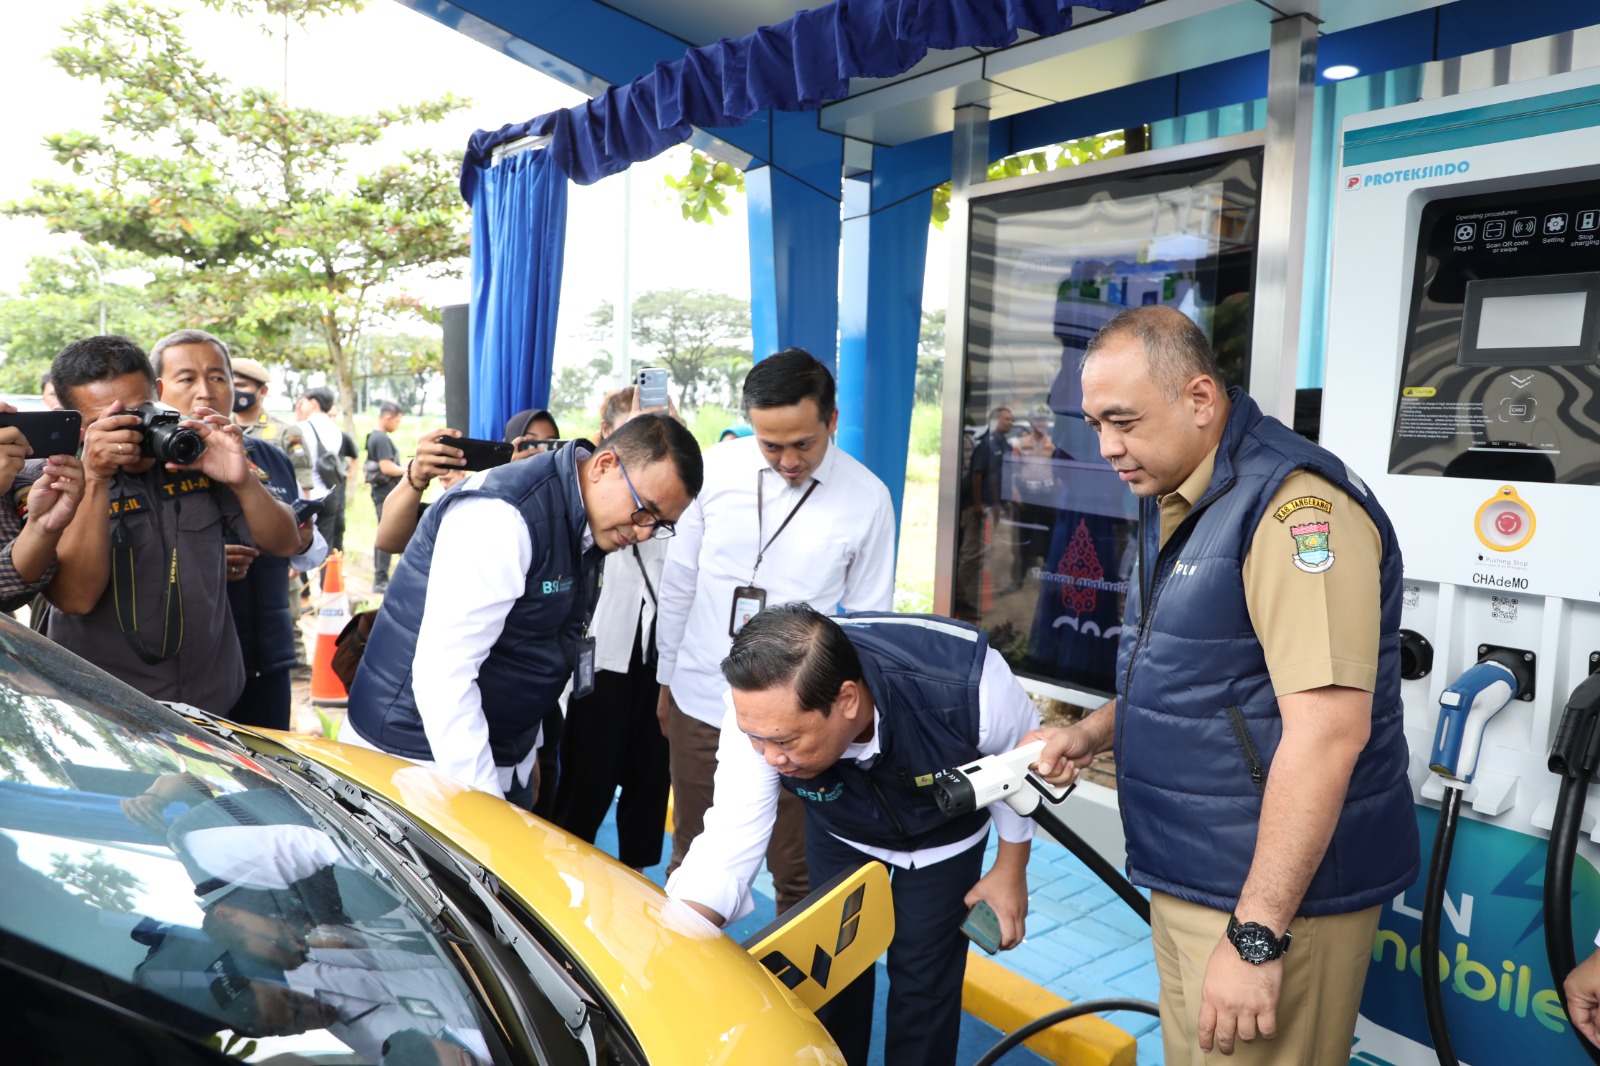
(1311, 552)
(818, 796)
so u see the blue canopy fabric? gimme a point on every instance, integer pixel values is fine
(519, 228)
(796, 65)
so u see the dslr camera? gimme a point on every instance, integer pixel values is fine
(165, 439)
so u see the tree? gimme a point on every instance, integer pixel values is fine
(61, 299)
(930, 358)
(98, 880)
(690, 330)
(256, 203)
(404, 365)
(576, 387)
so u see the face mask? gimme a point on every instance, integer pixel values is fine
(243, 401)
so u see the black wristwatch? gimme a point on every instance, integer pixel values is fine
(1255, 942)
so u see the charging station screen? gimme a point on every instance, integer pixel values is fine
(1501, 374)
(1048, 535)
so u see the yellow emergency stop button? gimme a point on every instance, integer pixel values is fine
(1504, 521)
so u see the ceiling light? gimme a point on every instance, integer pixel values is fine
(1340, 72)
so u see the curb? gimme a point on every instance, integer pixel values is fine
(1008, 1001)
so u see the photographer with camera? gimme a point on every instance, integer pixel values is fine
(141, 589)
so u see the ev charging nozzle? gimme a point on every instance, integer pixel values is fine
(963, 789)
(1465, 709)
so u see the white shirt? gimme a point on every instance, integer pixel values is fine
(837, 553)
(625, 611)
(321, 433)
(725, 857)
(481, 555)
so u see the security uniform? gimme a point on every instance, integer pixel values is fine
(266, 427)
(169, 569)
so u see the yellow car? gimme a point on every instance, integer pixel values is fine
(176, 889)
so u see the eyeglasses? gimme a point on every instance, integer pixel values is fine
(642, 516)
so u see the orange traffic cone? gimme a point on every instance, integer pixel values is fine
(326, 688)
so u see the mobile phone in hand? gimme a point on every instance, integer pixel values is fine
(982, 927)
(480, 454)
(652, 383)
(48, 432)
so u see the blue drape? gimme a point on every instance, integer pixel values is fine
(796, 65)
(519, 228)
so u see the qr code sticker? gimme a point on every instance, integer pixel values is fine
(1503, 608)
(1410, 596)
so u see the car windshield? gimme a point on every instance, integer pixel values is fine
(154, 868)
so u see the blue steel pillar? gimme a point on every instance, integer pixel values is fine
(793, 207)
(885, 249)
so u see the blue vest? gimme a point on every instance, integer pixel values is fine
(1197, 720)
(923, 674)
(260, 600)
(530, 662)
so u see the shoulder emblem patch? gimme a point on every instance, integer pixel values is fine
(1311, 552)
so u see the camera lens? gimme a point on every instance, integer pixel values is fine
(174, 444)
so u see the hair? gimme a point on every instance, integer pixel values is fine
(784, 379)
(408, 1047)
(517, 425)
(614, 406)
(793, 643)
(322, 396)
(91, 359)
(44, 380)
(1175, 349)
(190, 336)
(994, 416)
(652, 437)
(389, 409)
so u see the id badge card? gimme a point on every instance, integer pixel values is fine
(583, 676)
(747, 603)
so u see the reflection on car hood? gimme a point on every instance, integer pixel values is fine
(682, 987)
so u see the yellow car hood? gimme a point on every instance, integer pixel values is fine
(687, 992)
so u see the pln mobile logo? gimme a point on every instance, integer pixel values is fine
(1352, 182)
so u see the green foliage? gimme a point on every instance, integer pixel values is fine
(704, 188)
(575, 389)
(927, 425)
(930, 358)
(1067, 154)
(98, 880)
(253, 208)
(701, 338)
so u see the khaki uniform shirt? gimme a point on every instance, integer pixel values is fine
(266, 427)
(160, 511)
(1316, 627)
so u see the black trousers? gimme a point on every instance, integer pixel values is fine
(264, 702)
(612, 738)
(380, 558)
(927, 957)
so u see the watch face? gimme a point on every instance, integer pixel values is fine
(1254, 942)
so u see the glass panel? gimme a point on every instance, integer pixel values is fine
(1048, 533)
(145, 863)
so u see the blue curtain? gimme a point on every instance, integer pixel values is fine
(797, 65)
(519, 228)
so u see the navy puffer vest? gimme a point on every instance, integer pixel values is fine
(1197, 719)
(530, 662)
(923, 673)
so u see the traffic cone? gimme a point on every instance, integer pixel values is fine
(326, 688)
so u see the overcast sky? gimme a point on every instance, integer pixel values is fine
(384, 56)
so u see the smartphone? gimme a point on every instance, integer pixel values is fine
(481, 454)
(652, 383)
(982, 927)
(48, 432)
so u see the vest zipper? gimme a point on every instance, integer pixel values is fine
(884, 806)
(1247, 745)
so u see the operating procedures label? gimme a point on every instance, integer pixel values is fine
(1438, 419)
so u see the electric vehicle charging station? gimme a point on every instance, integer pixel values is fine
(1463, 385)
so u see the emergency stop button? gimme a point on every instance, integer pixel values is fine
(1505, 522)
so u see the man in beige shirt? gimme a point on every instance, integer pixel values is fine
(1261, 757)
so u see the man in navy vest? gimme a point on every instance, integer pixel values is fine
(487, 612)
(1261, 762)
(853, 715)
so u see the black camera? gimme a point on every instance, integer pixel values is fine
(166, 440)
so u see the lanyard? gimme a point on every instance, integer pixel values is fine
(122, 587)
(642, 573)
(761, 552)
